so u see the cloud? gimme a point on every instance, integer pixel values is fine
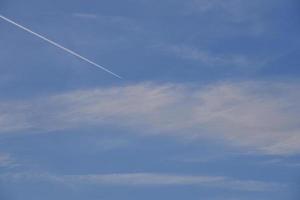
(231, 10)
(6, 160)
(125, 23)
(258, 116)
(85, 15)
(145, 180)
(234, 17)
(13, 117)
(207, 58)
(107, 144)
(281, 162)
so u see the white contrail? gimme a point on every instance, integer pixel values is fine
(59, 46)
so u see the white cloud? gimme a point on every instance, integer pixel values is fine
(262, 116)
(145, 180)
(85, 15)
(233, 10)
(106, 144)
(281, 162)
(234, 17)
(123, 22)
(13, 117)
(207, 58)
(6, 160)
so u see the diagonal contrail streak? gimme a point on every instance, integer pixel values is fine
(59, 46)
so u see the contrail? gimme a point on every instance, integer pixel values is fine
(59, 46)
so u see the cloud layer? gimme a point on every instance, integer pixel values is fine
(261, 116)
(145, 180)
(6, 160)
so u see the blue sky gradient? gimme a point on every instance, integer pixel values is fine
(208, 107)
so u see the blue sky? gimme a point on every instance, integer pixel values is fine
(208, 107)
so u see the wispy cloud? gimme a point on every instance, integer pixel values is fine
(231, 10)
(244, 17)
(123, 22)
(208, 58)
(283, 162)
(6, 160)
(262, 116)
(146, 180)
(85, 15)
(13, 118)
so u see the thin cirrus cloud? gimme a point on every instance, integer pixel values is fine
(246, 17)
(258, 116)
(208, 58)
(85, 15)
(231, 10)
(6, 160)
(146, 180)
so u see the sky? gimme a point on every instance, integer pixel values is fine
(208, 107)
